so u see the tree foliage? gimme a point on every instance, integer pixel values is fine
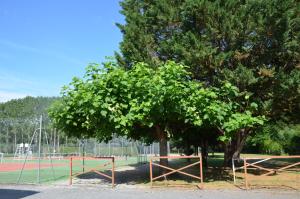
(279, 138)
(253, 44)
(134, 103)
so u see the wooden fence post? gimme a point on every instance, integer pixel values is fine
(245, 172)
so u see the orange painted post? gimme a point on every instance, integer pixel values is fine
(245, 172)
(95, 170)
(71, 171)
(83, 164)
(201, 172)
(151, 172)
(113, 172)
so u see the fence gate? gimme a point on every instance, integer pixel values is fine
(268, 166)
(179, 170)
(83, 165)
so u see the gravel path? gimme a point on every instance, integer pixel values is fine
(93, 192)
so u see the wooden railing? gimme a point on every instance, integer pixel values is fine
(179, 170)
(97, 169)
(255, 165)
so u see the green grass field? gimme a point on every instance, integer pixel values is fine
(10, 169)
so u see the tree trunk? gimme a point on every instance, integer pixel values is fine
(163, 147)
(234, 147)
(204, 152)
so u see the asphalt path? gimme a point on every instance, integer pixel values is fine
(94, 192)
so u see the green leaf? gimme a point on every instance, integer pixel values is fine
(103, 113)
(254, 105)
(92, 111)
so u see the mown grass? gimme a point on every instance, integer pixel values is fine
(59, 171)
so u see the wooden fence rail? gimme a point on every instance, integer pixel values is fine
(94, 169)
(254, 165)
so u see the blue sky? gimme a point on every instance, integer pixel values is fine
(43, 44)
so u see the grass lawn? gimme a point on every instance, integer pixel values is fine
(10, 169)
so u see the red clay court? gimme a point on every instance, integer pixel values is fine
(15, 166)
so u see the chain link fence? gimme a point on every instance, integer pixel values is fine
(31, 152)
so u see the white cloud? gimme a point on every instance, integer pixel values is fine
(6, 96)
(11, 85)
(17, 85)
(52, 53)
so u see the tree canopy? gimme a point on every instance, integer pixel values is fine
(148, 103)
(253, 44)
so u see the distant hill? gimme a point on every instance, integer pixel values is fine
(28, 107)
(19, 119)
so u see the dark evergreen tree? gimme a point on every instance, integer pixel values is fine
(254, 44)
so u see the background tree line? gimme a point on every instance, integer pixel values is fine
(20, 117)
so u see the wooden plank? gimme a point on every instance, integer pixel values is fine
(174, 157)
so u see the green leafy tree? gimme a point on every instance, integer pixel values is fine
(146, 103)
(279, 138)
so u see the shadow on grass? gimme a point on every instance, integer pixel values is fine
(15, 193)
(130, 174)
(212, 174)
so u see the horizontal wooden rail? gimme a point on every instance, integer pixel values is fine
(91, 158)
(272, 157)
(247, 165)
(174, 157)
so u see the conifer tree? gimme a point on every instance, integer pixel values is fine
(253, 44)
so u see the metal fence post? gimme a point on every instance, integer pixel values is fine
(113, 172)
(71, 165)
(39, 152)
(233, 170)
(151, 172)
(201, 171)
